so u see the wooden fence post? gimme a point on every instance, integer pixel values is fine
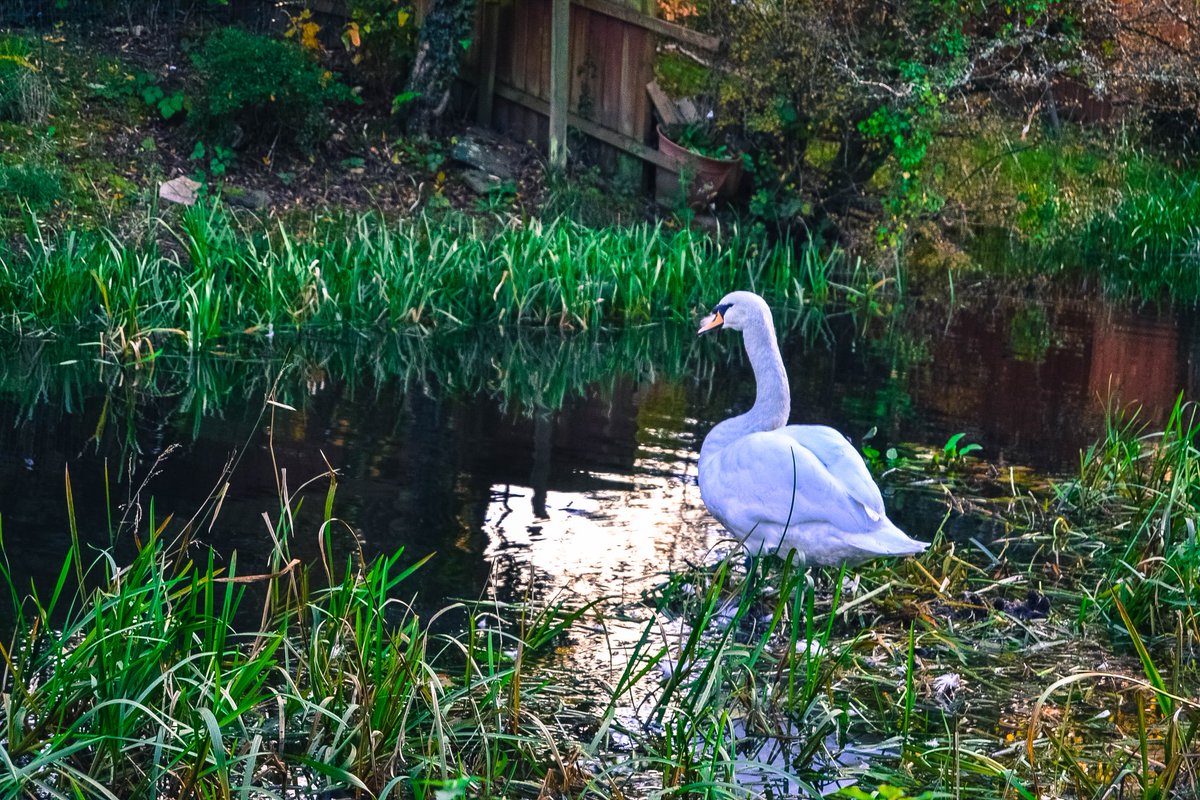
(489, 32)
(560, 80)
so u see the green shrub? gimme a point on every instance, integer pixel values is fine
(25, 95)
(382, 37)
(262, 89)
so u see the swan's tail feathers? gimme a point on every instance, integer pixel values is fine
(888, 540)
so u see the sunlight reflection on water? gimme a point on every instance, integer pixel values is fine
(610, 544)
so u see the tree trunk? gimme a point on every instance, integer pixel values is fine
(856, 162)
(435, 67)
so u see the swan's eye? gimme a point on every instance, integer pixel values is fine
(721, 308)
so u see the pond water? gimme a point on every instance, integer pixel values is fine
(570, 455)
(536, 464)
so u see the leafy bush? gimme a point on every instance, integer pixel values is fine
(167, 103)
(25, 96)
(382, 36)
(261, 89)
(882, 83)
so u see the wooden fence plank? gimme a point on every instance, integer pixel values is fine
(520, 44)
(665, 106)
(489, 34)
(581, 82)
(609, 137)
(608, 64)
(607, 36)
(629, 91)
(560, 80)
(546, 53)
(659, 26)
(537, 17)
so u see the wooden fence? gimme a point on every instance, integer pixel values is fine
(537, 67)
(543, 65)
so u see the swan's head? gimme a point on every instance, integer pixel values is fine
(737, 311)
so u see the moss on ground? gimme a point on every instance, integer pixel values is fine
(79, 165)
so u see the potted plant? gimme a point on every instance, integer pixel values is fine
(707, 168)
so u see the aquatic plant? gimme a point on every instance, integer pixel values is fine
(293, 678)
(1127, 225)
(168, 675)
(150, 677)
(1147, 244)
(747, 676)
(971, 672)
(1165, 732)
(1145, 486)
(225, 274)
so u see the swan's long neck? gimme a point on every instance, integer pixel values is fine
(772, 403)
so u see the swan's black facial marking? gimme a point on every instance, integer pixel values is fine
(714, 320)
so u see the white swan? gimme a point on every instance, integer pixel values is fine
(781, 487)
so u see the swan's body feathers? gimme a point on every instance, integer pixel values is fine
(844, 462)
(789, 488)
(782, 484)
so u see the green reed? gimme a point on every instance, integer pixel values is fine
(210, 273)
(149, 678)
(287, 680)
(1138, 239)
(1148, 242)
(1144, 487)
(744, 704)
(147, 685)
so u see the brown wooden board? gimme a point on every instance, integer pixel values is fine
(610, 61)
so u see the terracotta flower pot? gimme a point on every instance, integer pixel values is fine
(708, 178)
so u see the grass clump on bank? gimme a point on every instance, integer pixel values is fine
(1086, 204)
(210, 275)
(149, 681)
(26, 97)
(1150, 239)
(1144, 486)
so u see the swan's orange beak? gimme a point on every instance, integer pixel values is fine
(711, 323)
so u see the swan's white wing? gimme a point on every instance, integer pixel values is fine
(843, 461)
(768, 481)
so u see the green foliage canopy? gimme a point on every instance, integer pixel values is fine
(846, 98)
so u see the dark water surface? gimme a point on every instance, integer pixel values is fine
(534, 460)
